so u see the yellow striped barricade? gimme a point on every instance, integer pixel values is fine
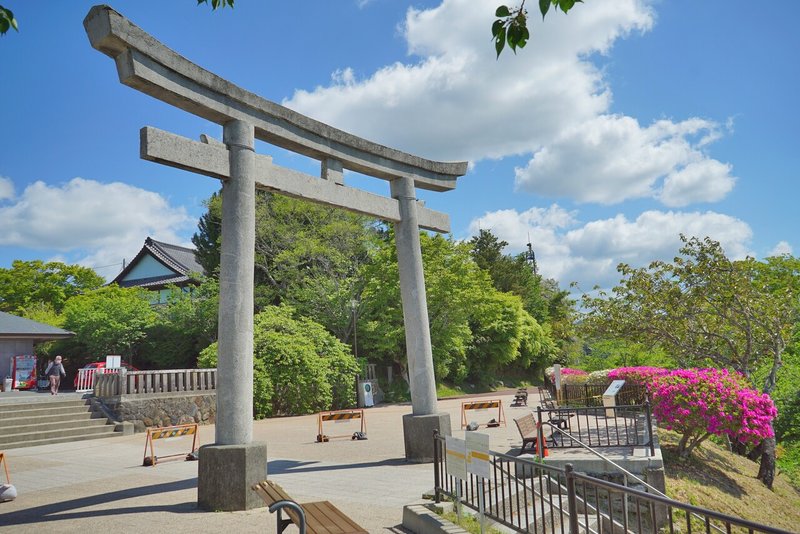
(339, 416)
(483, 405)
(167, 432)
(5, 466)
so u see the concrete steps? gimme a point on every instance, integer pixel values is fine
(27, 424)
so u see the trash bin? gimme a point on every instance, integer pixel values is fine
(7, 384)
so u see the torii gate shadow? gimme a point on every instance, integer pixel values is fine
(72, 509)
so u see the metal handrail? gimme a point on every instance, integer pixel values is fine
(624, 471)
(672, 503)
(604, 458)
(573, 494)
(279, 505)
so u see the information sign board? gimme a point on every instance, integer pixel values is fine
(614, 388)
(456, 457)
(478, 454)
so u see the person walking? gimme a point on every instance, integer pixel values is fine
(55, 370)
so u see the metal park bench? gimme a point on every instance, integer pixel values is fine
(529, 431)
(320, 517)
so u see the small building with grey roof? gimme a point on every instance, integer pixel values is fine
(159, 266)
(19, 335)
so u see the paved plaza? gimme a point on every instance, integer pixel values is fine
(101, 485)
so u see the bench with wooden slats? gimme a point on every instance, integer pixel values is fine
(530, 434)
(321, 517)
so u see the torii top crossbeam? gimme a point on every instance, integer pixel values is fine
(145, 64)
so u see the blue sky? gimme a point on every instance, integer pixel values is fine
(618, 127)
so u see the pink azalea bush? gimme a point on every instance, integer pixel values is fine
(642, 375)
(569, 376)
(700, 403)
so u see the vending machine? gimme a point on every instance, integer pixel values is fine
(23, 372)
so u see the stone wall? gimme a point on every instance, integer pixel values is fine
(163, 409)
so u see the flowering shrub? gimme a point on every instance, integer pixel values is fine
(642, 376)
(702, 402)
(599, 377)
(569, 376)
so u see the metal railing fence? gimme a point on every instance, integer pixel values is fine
(612, 426)
(521, 495)
(527, 496)
(592, 394)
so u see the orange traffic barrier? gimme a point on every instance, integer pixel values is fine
(5, 466)
(483, 405)
(339, 416)
(166, 432)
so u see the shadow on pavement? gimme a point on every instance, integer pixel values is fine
(72, 509)
(280, 467)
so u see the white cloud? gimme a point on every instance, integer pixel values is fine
(780, 249)
(611, 158)
(98, 223)
(453, 100)
(706, 180)
(458, 102)
(6, 188)
(588, 253)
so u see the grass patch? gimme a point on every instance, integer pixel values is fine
(470, 523)
(444, 391)
(719, 480)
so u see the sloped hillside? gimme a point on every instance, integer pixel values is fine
(719, 480)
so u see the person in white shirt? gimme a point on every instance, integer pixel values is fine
(55, 370)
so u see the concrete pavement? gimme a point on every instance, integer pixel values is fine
(101, 486)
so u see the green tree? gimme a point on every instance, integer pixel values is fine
(185, 326)
(311, 256)
(207, 239)
(475, 329)
(450, 277)
(306, 255)
(504, 333)
(705, 310)
(605, 353)
(298, 366)
(33, 283)
(109, 320)
(541, 297)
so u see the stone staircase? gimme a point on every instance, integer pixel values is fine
(26, 424)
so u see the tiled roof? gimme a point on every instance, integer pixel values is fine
(182, 258)
(13, 326)
(156, 281)
(179, 259)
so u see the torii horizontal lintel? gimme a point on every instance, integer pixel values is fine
(211, 159)
(147, 65)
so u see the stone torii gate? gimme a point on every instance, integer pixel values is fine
(229, 466)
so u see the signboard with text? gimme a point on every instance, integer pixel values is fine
(456, 457)
(478, 454)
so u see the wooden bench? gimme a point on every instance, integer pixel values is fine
(321, 517)
(520, 397)
(529, 431)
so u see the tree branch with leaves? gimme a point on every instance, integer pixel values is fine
(511, 25)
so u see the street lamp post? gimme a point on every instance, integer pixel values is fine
(354, 307)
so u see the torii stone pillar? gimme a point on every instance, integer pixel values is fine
(234, 462)
(420, 424)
